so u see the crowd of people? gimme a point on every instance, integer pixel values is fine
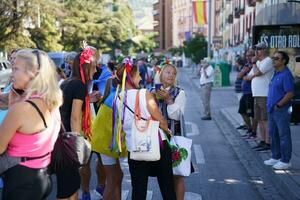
(88, 98)
(265, 87)
(98, 101)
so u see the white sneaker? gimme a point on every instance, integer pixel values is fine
(282, 165)
(271, 161)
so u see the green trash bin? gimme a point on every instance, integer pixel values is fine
(221, 71)
(225, 71)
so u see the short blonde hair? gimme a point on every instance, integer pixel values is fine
(44, 82)
(163, 68)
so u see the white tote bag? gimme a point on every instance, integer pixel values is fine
(144, 135)
(181, 155)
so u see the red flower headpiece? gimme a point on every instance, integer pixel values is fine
(128, 65)
(86, 57)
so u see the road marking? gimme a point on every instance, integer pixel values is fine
(192, 196)
(194, 127)
(199, 154)
(96, 196)
(149, 195)
(125, 194)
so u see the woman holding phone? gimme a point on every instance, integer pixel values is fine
(171, 100)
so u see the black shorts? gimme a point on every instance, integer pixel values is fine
(68, 182)
(22, 182)
(247, 105)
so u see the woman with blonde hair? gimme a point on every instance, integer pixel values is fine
(171, 100)
(31, 125)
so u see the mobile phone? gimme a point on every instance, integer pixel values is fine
(18, 91)
(157, 87)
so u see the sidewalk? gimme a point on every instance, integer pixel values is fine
(287, 181)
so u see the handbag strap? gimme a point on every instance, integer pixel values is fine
(137, 113)
(24, 159)
(38, 110)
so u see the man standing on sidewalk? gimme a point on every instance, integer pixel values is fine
(281, 91)
(246, 103)
(261, 74)
(206, 82)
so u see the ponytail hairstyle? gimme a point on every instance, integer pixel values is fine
(84, 63)
(124, 74)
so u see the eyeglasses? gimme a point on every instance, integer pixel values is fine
(275, 58)
(37, 53)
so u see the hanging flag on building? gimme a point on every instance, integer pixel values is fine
(199, 10)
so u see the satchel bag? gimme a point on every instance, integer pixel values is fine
(70, 150)
(144, 135)
(181, 155)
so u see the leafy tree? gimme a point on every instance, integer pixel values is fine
(147, 43)
(176, 51)
(63, 24)
(196, 48)
(12, 32)
(47, 36)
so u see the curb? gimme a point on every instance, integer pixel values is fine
(283, 185)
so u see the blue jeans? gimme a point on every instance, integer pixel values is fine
(280, 134)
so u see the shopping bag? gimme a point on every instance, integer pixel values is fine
(144, 135)
(181, 155)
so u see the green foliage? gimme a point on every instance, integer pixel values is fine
(196, 48)
(176, 51)
(145, 43)
(64, 24)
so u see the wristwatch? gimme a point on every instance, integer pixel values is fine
(278, 106)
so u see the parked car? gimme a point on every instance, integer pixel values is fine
(58, 57)
(5, 71)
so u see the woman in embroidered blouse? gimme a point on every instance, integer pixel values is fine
(24, 133)
(171, 100)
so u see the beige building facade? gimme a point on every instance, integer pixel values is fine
(162, 13)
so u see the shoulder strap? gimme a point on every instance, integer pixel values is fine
(130, 109)
(39, 111)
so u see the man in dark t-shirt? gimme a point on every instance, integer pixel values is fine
(246, 104)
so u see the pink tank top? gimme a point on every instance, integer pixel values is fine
(35, 145)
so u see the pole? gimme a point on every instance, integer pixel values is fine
(209, 29)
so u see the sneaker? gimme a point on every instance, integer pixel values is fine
(249, 130)
(100, 190)
(266, 147)
(206, 118)
(245, 136)
(86, 196)
(260, 144)
(241, 127)
(252, 136)
(271, 161)
(282, 166)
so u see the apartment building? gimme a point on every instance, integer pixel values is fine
(162, 13)
(235, 20)
(182, 21)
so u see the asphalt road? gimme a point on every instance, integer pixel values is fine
(220, 174)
